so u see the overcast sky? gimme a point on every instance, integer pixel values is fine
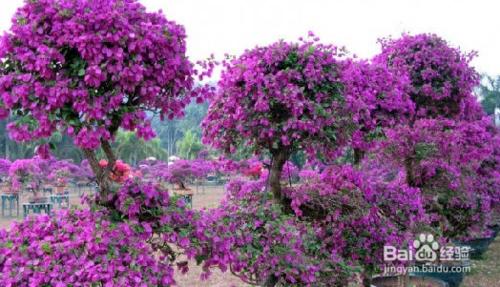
(219, 26)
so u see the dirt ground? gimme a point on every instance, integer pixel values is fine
(485, 273)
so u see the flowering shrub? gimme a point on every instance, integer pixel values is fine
(25, 173)
(95, 251)
(253, 238)
(441, 78)
(182, 171)
(346, 206)
(443, 158)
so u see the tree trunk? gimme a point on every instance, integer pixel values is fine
(410, 172)
(102, 174)
(108, 151)
(271, 281)
(358, 156)
(278, 161)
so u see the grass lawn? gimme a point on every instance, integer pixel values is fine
(486, 272)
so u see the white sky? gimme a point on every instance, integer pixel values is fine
(219, 26)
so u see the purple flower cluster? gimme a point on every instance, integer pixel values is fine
(141, 201)
(377, 98)
(181, 171)
(453, 163)
(79, 248)
(441, 78)
(286, 95)
(90, 67)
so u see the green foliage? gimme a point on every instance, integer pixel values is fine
(131, 149)
(189, 146)
(490, 93)
(171, 132)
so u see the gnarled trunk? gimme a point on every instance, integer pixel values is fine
(102, 174)
(278, 161)
(279, 158)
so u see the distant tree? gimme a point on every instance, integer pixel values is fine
(490, 93)
(190, 145)
(170, 132)
(132, 149)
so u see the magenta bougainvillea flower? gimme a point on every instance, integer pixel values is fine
(283, 96)
(91, 67)
(95, 251)
(441, 76)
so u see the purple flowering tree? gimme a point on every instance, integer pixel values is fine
(289, 97)
(378, 98)
(441, 78)
(181, 171)
(88, 68)
(280, 99)
(448, 148)
(446, 160)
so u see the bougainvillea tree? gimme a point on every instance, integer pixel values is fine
(289, 97)
(88, 68)
(180, 172)
(26, 173)
(378, 98)
(444, 146)
(279, 99)
(441, 77)
(443, 158)
(4, 167)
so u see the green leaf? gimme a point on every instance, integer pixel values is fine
(200, 258)
(9, 244)
(46, 248)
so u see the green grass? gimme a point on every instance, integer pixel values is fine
(485, 272)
